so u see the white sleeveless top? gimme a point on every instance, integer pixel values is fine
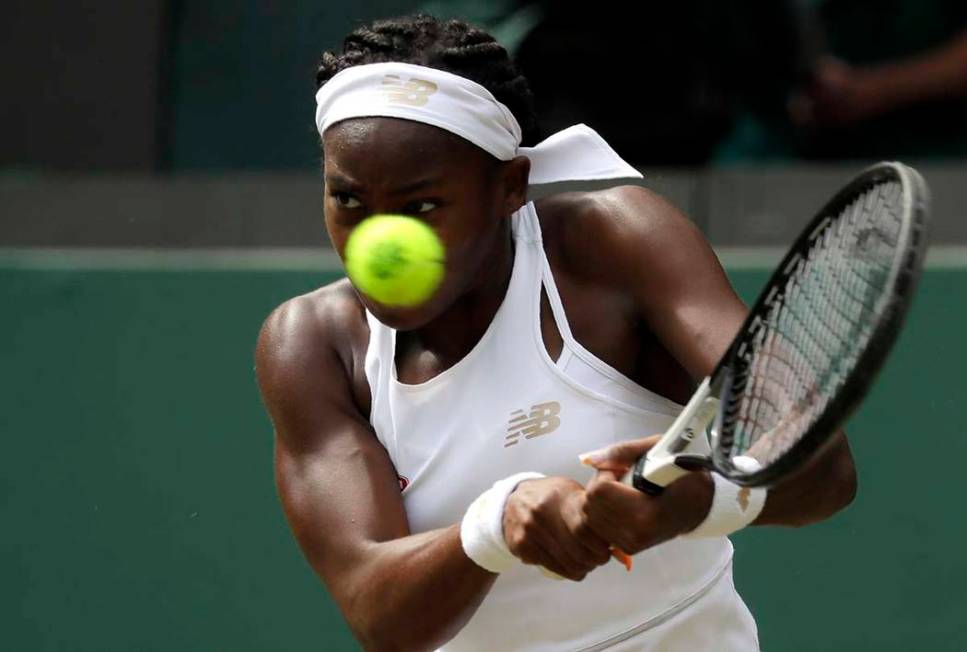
(508, 407)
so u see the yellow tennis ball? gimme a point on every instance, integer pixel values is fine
(396, 260)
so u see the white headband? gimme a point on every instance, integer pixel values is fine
(467, 109)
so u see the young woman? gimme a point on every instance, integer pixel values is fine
(427, 457)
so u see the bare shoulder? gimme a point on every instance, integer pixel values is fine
(632, 243)
(326, 317)
(603, 235)
(308, 338)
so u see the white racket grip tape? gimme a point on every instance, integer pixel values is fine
(662, 471)
(660, 468)
(693, 418)
(733, 508)
(482, 527)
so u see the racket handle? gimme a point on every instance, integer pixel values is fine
(685, 463)
(670, 459)
(639, 482)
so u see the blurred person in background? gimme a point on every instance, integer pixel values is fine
(751, 79)
(851, 79)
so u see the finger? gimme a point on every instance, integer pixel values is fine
(599, 549)
(622, 533)
(606, 490)
(606, 475)
(569, 569)
(619, 457)
(621, 515)
(580, 554)
(595, 550)
(539, 527)
(550, 574)
(534, 554)
(604, 495)
(559, 551)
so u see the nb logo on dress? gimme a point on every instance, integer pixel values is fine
(413, 92)
(541, 420)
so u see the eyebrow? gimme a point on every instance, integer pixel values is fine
(403, 189)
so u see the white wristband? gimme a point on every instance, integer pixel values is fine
(733, 507)
(482, 527)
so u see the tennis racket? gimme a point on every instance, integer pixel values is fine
(812, 343)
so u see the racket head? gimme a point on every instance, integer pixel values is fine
(745, 448)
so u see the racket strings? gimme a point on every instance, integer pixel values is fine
(814, 328)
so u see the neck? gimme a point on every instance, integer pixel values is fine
(453, 334)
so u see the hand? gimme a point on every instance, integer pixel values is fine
(839, 95)
(544, 524)
(634, 521)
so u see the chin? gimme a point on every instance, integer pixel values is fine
(402, 318)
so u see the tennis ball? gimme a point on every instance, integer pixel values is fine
(394, 259)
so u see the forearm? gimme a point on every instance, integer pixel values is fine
(413, 593)
(824, 487)
(939, 73)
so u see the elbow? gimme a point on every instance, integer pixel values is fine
(841, 477)
(382, 634)
(375, 638)
(379, 639)
(841, 485)
(833, 489)
(846, 484)
(373, 631)
(372, 641)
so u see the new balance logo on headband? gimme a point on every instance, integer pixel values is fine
(413, 92)
(542, 420)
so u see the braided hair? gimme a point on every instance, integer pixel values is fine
(452, 46)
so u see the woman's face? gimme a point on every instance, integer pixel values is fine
(388, 165)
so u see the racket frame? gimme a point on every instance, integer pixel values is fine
(671, 457)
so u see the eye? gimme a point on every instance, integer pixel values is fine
(345, 200)
(420, 207)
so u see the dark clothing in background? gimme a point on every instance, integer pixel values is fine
(646, 75)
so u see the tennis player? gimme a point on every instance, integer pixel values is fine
(429, 458)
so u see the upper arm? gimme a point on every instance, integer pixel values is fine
(337, 485)
(660, 257)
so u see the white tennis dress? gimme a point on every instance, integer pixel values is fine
(508, 407)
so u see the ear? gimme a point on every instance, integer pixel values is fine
(515, 175)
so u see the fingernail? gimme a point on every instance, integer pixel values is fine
(594, 457)
(623, 557)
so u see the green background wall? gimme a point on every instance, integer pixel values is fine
(138, 511)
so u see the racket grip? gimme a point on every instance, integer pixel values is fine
(639, 482)
(636, 477)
